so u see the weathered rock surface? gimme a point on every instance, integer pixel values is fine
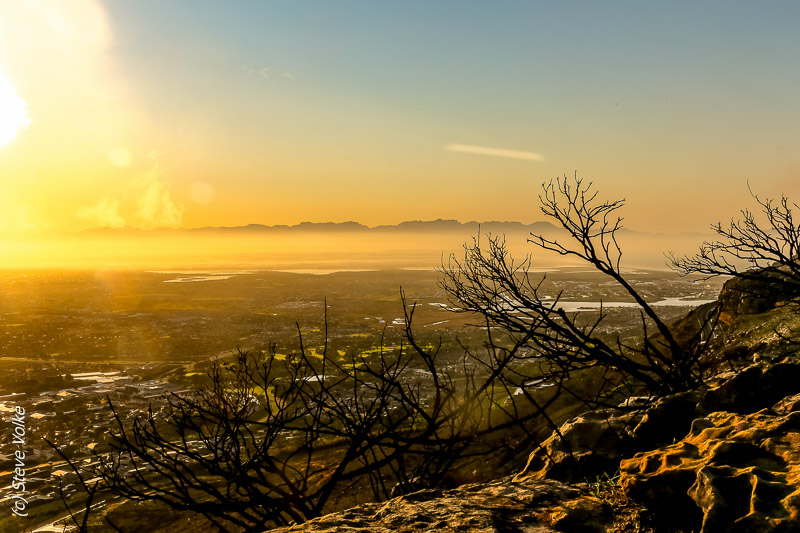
(737, 470)
(733, 472)
(752, 389)
(528, 506)
(588, 444)
(749, 296)
(595, 441)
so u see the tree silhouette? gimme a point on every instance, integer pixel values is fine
(488, 281)
(271, 442)
(765, 251)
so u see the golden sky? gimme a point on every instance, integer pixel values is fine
(191, 113)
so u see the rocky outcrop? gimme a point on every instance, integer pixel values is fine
(594, 442)
(725, 458)
(738, 469)
(732, 472)
(526, 506)
(753, 388)
(588, 444)
(752, 296)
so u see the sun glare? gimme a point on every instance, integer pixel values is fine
(13, 115)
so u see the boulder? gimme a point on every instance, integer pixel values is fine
(666, 419)
(789, 404)
(585, 446)
(595, 441)
(752, 389)
(733, 472)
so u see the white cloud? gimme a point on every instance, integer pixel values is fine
(494, 152)
(266, 73)
(146, 203)
(154, 205)
(104, 214)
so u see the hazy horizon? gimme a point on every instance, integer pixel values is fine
(178, 114)
(300, 248)
(341, 226)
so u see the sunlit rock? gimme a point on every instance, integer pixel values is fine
(733, 472)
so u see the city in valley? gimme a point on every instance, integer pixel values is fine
(73, 341)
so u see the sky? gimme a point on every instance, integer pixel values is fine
(195, 113)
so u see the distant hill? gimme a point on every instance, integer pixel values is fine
(441, 227)
(302, 227)
(411, 226)
(327, 245)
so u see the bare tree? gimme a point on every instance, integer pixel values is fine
(488, 281)
(763, 249)
(271, 442)
(79, 519)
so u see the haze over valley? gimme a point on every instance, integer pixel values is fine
(311, 246)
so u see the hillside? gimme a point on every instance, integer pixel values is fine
(722, 458)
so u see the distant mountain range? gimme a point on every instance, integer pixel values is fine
(438, 226)
(412, 226)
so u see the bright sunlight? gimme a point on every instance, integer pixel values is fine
(13, 115)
